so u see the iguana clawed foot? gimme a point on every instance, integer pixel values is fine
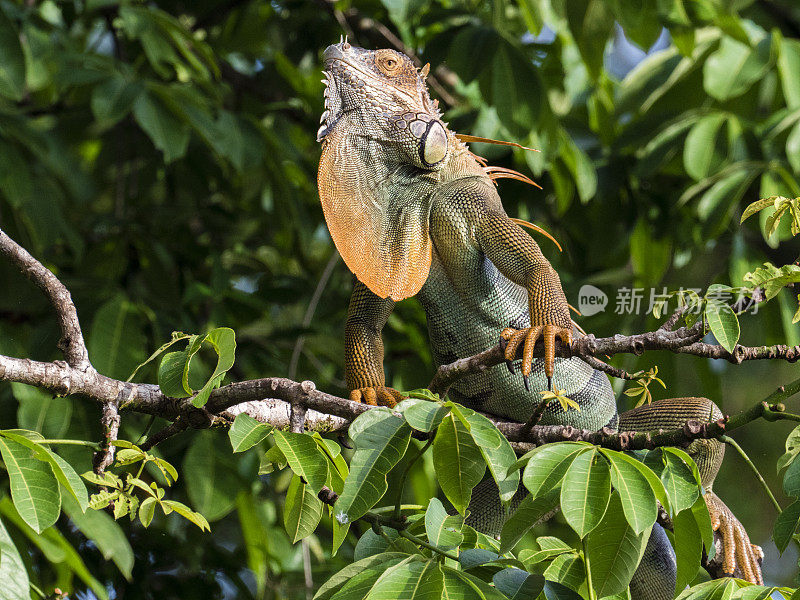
(528, 337)
(740, 557)
(377, 396)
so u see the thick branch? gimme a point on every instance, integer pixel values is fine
(71, 343)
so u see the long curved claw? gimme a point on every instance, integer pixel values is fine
(528, 337)
(740, 557)
(513, 338)
(377, 396)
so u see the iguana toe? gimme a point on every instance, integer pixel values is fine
(739, 556)
(528, 337)
(377, 396)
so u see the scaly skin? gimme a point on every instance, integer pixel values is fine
(413, 212)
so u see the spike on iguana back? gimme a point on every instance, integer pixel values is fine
(495, 172)
(474, 138)
(537, 229)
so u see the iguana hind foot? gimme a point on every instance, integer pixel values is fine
(377, 396)
(740, 557)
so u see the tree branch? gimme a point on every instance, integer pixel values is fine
(299, 404)
(71, 344)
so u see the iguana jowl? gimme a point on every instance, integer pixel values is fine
(413, 212)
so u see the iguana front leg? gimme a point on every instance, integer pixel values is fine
(363, 348)
(518, 257)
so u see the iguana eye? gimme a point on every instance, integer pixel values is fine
(388, 63)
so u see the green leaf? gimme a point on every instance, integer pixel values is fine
(496, 451)
(636, 494)
(567, 569)
(223, 341)
(372, 564)
(147, 510)
(703, 520)
(655, 482)
(786, 525)
(723, 322)
(688, 547)
(792, 450)
(757, 206)
(734, 67)
(106, 534)
(442, 530)
(187, 513)
(614, 549)
(422, 415)
(650, 257)
(34, 488)
(170, 375)
(518, 584)
(506, 78)
(527, 515)
(117, 342)
(772, 279)
(585, 492)
(41, 411)
(13, 574)
(412, 579)
(581, 168)
(789, 71)
(793, 148)
(177, 336)
(371, 543)
(212, 480)
(271, 460)
(556, 591)
(304, 457)
(704, 151)
(113, 99)
(246, 432)
(639, 20)
(679, 480)
(168, 133)
(380, 440)
(591, 23)
(458, 584)
(547, 466)
(62, 470)
(12, 67)
(458, 462)
(302, 510)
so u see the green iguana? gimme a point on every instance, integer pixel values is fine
(413, 212)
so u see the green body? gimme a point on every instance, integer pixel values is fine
(413, 211)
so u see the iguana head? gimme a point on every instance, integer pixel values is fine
(382, 92)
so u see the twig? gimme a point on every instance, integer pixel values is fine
(312, 307)
(167, 432)
(756, 472)
(110, 421)
(617, 372)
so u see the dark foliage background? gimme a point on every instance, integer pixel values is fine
(160, 159)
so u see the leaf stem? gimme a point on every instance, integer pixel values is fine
(420, 542)
(88, 444)
(402, 483)
(728, 440)
(592, 594)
